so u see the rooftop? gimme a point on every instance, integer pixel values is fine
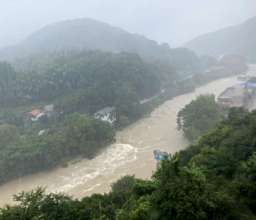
(234, 91)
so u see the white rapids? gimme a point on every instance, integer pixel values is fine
(130, 155)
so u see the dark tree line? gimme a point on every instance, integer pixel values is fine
(80, 82)
(22, 154)
(212, 179)
(199, 116)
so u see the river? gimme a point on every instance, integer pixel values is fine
(131, 154)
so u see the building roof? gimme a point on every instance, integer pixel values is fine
(35, 113)
(106, 114)
(105, 111)
(49, 108)
(234, 91)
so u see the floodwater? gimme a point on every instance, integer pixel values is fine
(131, 154)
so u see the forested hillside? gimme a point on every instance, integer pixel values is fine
(91, 71)
(79, 83)
(82, 82)
(23, 152)
(212, 179)
(87, 34)
(40, 93)
(238, 39)
(95, 119)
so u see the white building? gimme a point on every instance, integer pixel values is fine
(106, 114)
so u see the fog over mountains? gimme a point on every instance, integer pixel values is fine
(174, 22)
(239, 39)
(83, 34)
(88, 34)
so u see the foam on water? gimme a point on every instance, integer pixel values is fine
(104, 164)
(91, 188)
(84, 177)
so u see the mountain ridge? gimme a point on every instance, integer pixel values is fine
(237, 39)
(85, 34)
(82, 34)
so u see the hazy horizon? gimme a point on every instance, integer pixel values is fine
(174, 22)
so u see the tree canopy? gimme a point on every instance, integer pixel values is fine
(199, 116)
(212, 179)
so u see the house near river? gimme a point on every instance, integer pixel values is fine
(35, 114)
(40, 113)
(233, 96)
(240, 95)
(107, 114)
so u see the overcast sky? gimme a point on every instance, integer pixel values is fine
(172, 21)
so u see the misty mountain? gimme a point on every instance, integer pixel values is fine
(88, 34)
(240, 39)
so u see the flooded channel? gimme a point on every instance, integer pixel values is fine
(131, 154)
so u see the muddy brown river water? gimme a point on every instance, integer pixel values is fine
(131, 154)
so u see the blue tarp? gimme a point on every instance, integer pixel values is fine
(250, 85)
(159, 155)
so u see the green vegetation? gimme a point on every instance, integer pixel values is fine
(81, 82)
(86, 82)
(77, 84)
(93, 75)
(88, 34)
(212, 179)
(199, 116)
(78, 135)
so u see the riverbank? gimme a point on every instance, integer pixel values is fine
(131, 154)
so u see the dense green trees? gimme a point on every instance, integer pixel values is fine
(185, 193)
(212, 179)
(28, 153)
(88, 81)
(199, 116)
(82, 82)
(8, 85)
(92, 72)
(83, 135)
(36, 205)
(62, 74)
